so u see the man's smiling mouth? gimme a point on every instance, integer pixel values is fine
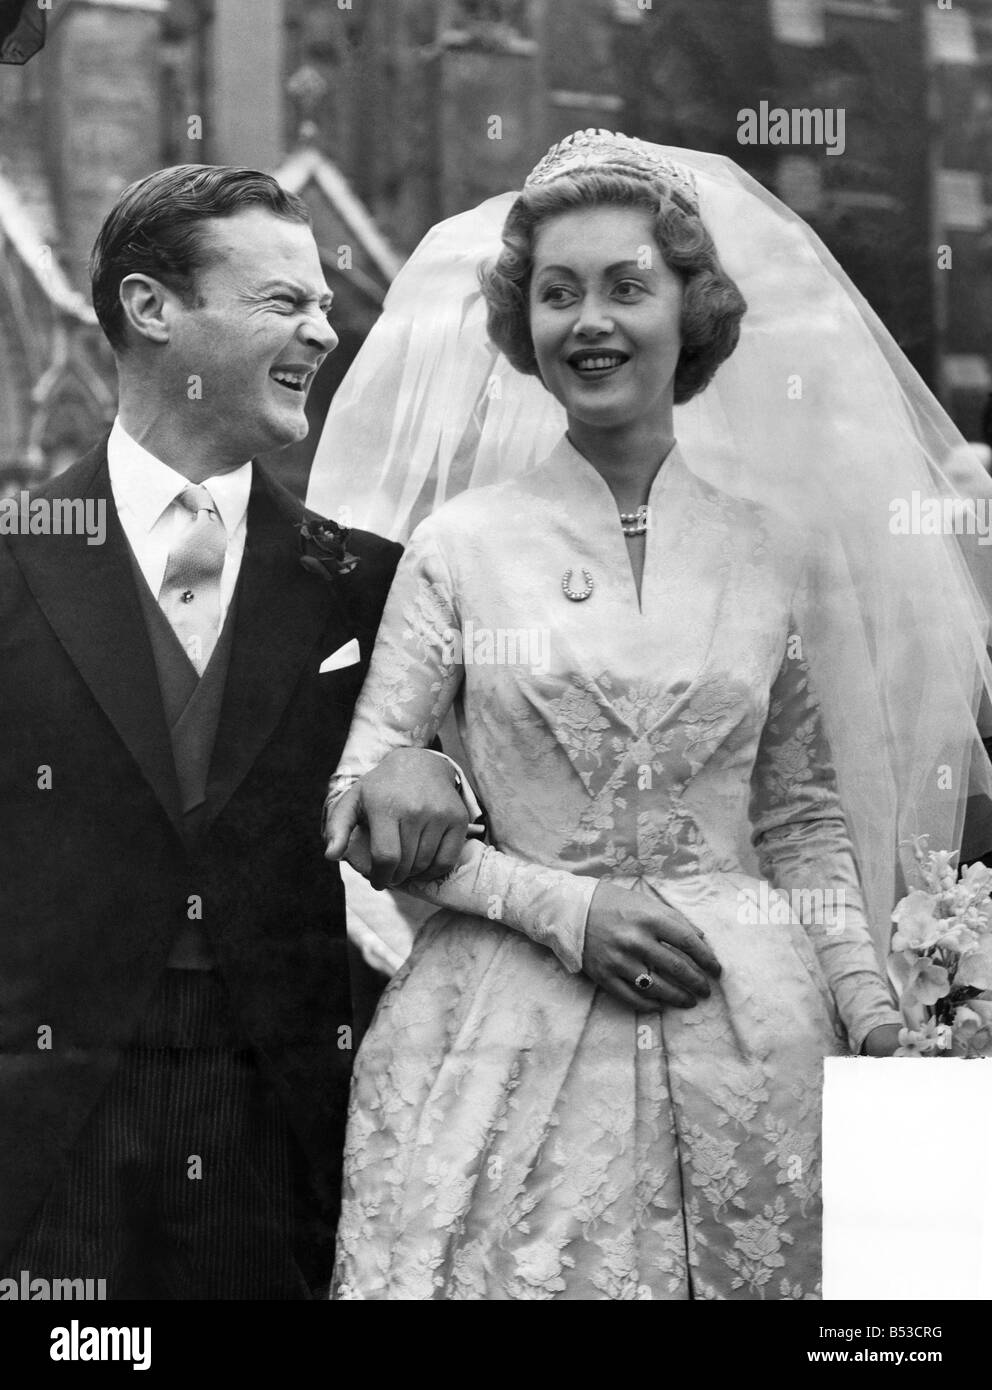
(291, 378)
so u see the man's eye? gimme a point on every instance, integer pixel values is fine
(284, 299)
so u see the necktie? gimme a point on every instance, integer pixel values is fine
(190, 593)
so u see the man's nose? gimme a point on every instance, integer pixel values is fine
(318, 333)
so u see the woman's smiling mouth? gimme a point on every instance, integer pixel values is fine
(591, 364)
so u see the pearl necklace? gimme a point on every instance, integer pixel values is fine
(634, 523)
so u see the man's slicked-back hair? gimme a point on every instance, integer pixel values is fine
(155, 228)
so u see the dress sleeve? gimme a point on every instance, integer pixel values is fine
(414, 675)
(801, 837)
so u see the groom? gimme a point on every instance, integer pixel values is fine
(176, 684)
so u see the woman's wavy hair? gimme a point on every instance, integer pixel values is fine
(712, 305)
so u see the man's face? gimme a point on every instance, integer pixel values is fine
(255, 332)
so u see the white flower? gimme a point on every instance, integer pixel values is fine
(975, 966)
(927, 982)
(924, 1042)
(917, 926)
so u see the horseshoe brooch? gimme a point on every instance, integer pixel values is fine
(577, 595)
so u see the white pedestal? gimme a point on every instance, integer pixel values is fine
(907, 1178)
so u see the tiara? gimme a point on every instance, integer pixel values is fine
(586, 150)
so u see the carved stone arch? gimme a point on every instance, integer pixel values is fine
(15, 380)
(74, 402)
(68, 424)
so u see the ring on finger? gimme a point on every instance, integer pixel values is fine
(643, 981)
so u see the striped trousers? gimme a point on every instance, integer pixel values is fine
(186, 1182)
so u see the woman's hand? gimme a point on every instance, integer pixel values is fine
(630, 933)
(882, 1041)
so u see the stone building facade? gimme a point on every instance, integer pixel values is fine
(389, 114)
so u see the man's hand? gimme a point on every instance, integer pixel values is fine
(414, 815)
(630, 933)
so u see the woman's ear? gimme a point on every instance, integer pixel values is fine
(143, 299)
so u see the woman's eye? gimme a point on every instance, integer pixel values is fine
(628, 289)
(556, 294)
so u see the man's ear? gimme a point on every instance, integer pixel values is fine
(145, 303)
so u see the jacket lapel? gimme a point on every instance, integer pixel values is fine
(88, 595)
(281, 613)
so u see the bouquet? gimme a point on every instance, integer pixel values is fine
(941, 959)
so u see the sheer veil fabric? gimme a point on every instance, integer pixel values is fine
(817, 415)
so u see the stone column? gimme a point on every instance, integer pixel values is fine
(581, 76)
(489, 110)
(247, 107)
(102, 88)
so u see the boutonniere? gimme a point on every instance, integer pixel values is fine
(324, 548)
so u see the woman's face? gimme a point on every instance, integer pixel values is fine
(605, 313)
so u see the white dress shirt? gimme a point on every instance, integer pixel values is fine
(145, 491)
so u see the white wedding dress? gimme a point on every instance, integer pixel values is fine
(515, 1133)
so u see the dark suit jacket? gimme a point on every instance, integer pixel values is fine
(95, 878)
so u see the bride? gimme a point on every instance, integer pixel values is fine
(598, 1074)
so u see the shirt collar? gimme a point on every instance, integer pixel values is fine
(146, 486)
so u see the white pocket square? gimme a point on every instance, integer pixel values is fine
(344, 656)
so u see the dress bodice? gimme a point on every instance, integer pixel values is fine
(604, 735)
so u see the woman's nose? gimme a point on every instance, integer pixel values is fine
(593, 318)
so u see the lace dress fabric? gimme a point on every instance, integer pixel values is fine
(514, 1132)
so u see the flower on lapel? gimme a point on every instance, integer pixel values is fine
(324, 548)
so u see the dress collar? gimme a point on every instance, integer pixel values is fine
(576, 476)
